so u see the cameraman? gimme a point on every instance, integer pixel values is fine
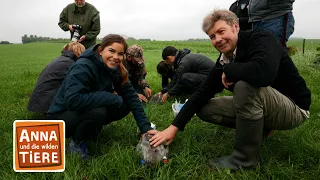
(83, 14)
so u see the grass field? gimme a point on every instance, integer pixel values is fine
(293, 154)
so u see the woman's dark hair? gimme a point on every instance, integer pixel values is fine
(164, 67)
(114, 38)
(168, 51)
(108, 40)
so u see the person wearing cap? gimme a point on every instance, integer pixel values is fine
(134, 63)
(188, 70)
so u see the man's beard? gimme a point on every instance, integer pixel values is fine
(80, 5)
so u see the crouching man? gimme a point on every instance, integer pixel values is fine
(268, 91)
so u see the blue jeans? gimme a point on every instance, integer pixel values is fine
(277, 26)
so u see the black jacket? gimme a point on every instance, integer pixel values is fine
(240, 8)
(261, 61)
(187, 62)
(49, 80)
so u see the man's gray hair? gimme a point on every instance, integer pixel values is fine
(216, 15)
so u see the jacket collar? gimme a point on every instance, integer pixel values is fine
(81, 10)
(179, 55)
(69, 54)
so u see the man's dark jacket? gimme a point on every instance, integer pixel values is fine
(49, 81)
(187, 62)
(260, 61)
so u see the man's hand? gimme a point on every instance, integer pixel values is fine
(166, 135)
(142, 98)
(225, 81)
(82, 38)
(152, 131)
(148, 92)
(70, 27)
(165, 96)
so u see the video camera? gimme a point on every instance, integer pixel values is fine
(76, 32)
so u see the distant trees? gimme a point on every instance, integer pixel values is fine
(4, 42)
(131, 38)
(198, 39)
(144, 39)
(34, 38)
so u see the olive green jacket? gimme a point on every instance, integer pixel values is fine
(88, 17)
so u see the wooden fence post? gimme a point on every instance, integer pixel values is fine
(303, 45)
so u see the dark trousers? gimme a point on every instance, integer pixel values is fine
(82, 125)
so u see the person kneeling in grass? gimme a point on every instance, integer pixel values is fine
(268, 91)
(52, 76)
(187, 71)
(96, 92)
(134, 63)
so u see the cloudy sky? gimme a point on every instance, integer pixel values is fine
(153, 19)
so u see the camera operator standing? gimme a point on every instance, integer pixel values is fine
(82, 20)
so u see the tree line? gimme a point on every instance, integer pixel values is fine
(35, 38)
(4, 42)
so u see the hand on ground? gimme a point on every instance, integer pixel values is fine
(148, 92)
(165, 96)
(142, 98)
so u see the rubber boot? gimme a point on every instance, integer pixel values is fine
(228, 122)
(247, 147)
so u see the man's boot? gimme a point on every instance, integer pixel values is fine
(229, 122)
(247, 147)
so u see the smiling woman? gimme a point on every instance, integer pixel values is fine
(112, 52)
(96, 92)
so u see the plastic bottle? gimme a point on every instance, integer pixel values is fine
(165, 159)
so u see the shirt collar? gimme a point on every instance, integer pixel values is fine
(225, 60)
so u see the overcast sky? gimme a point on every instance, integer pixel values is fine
(153, 19)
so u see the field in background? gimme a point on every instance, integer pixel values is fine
(293, 154)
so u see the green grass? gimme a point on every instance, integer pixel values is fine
(292, 154)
